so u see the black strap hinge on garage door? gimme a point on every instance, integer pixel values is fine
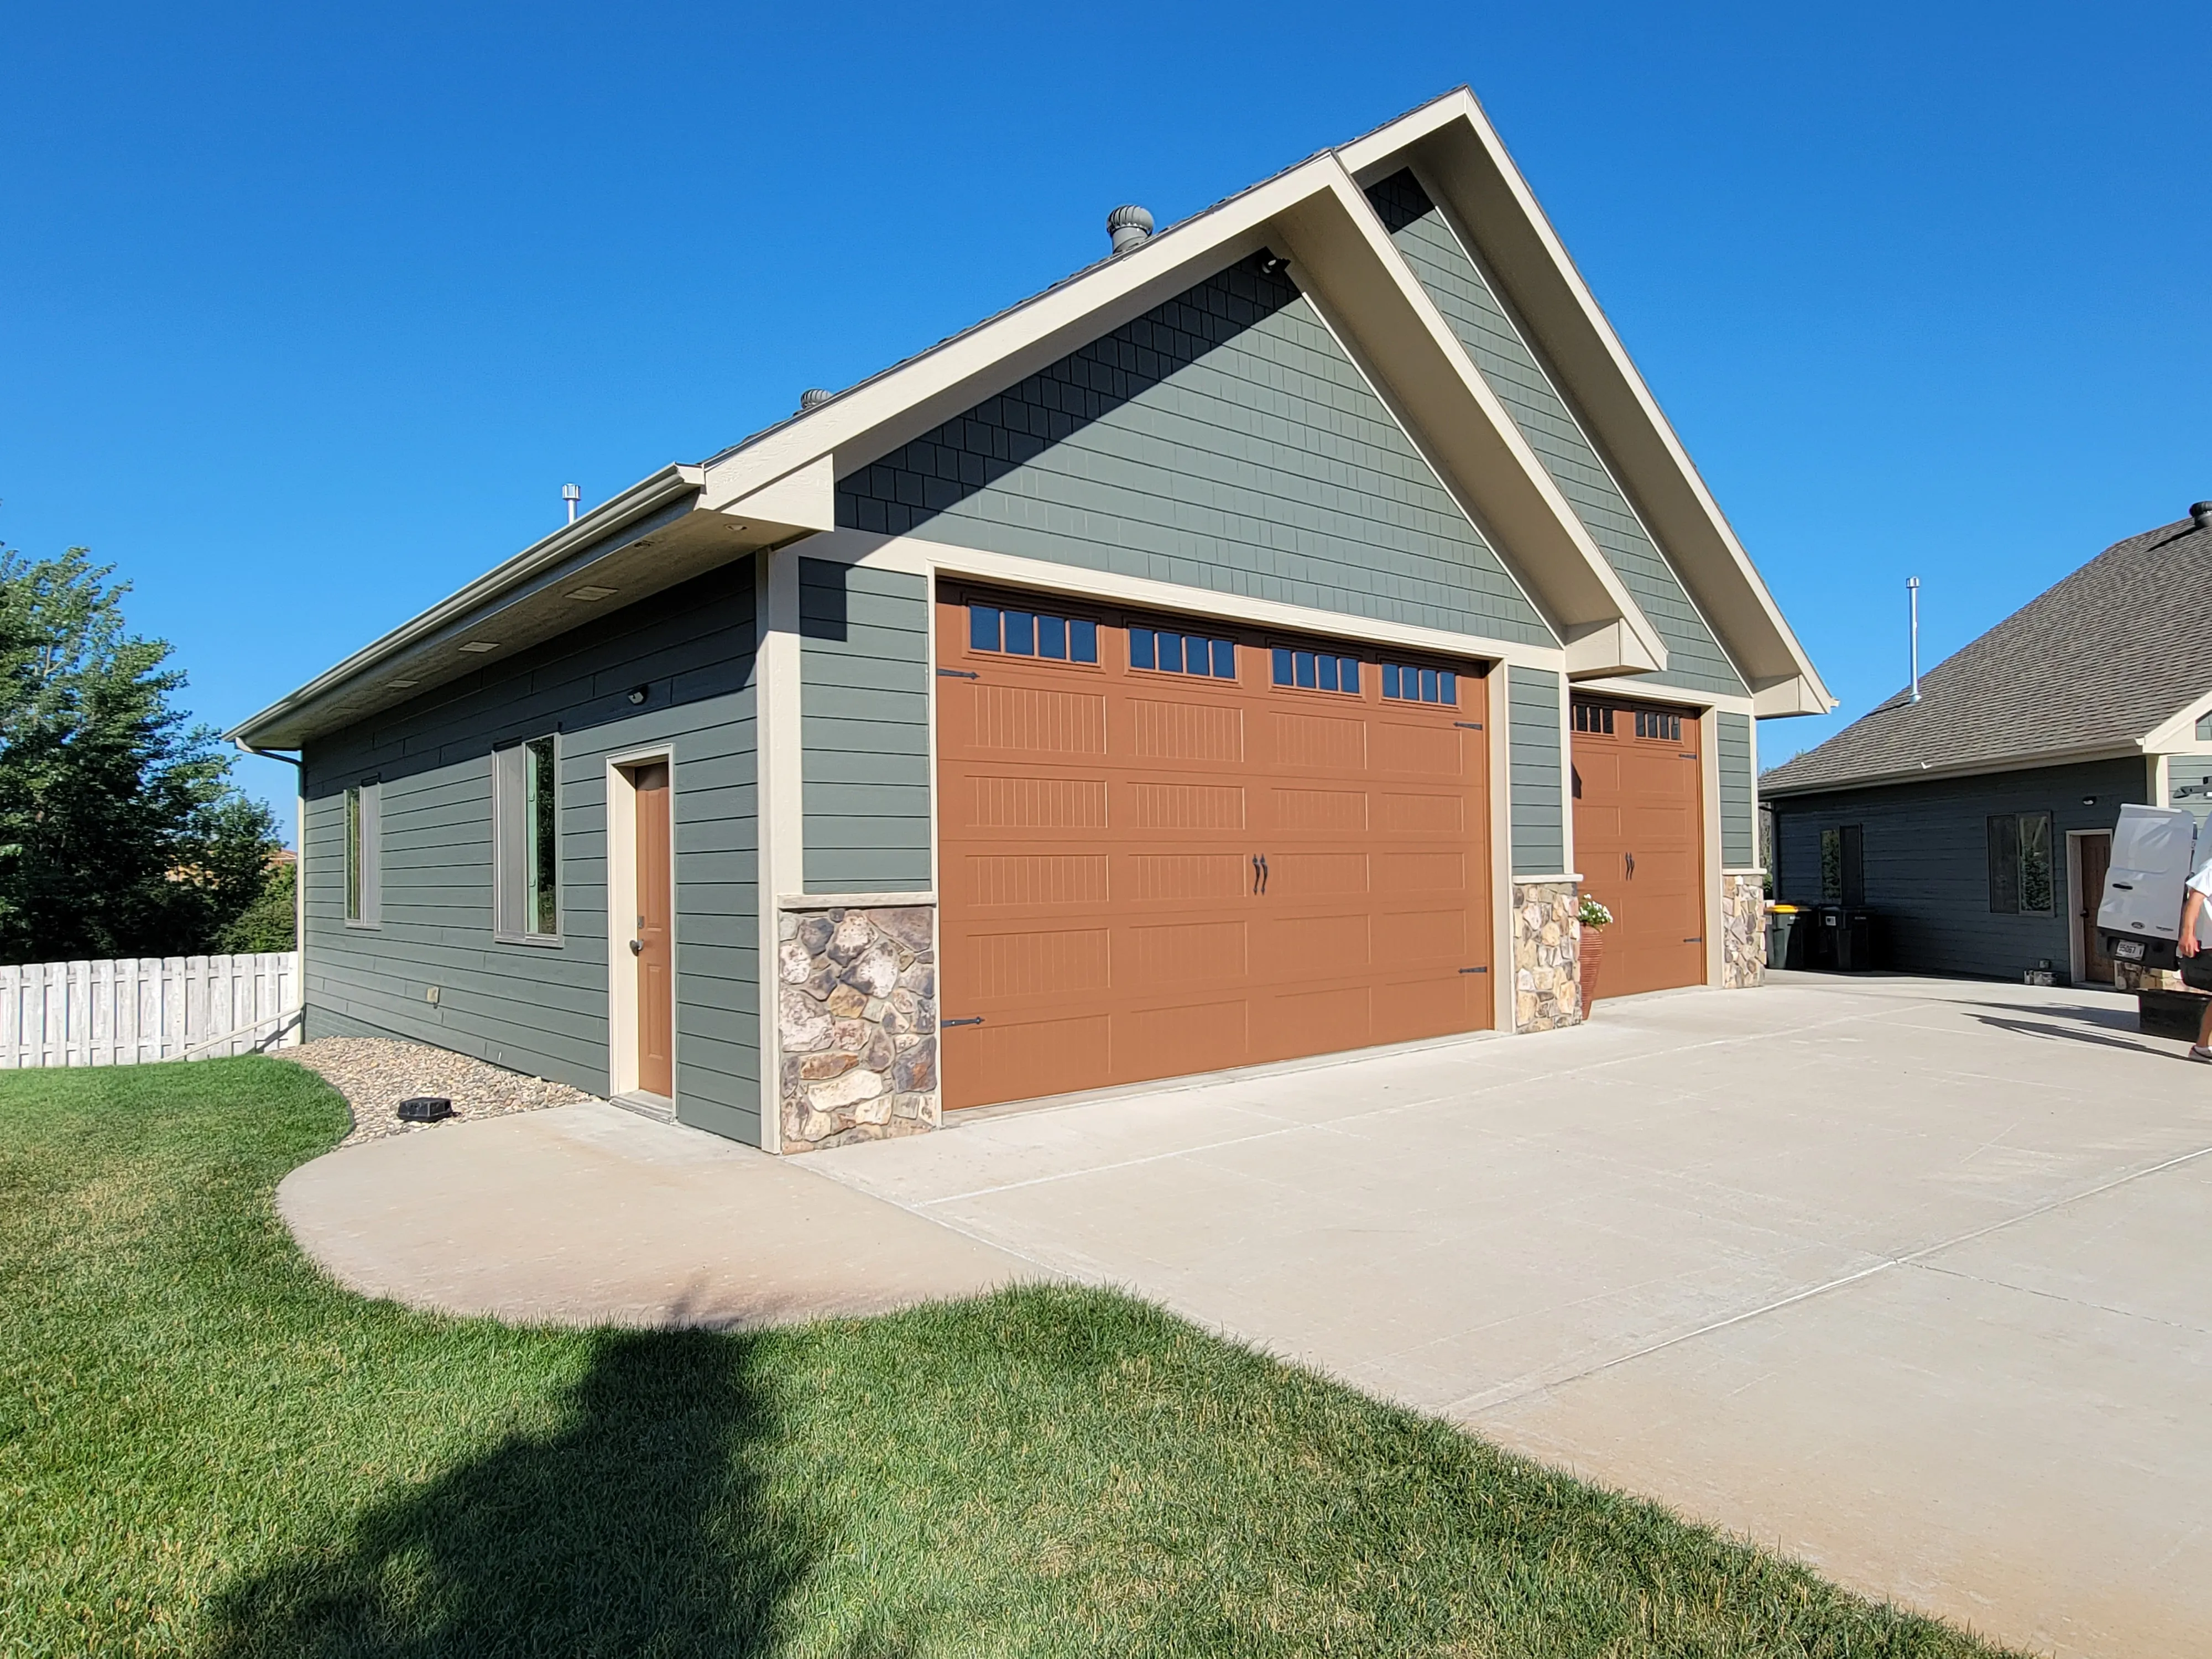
(947, 1024)
(1468, 725)
(957, 674)
(1701, 939)
(1474, 970)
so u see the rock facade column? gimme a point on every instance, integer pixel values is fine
(1743, 939)
(856, 1011)
(1547, 956)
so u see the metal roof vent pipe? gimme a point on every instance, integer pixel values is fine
(1912, 630)
(2200, 514)
(1129, 225)
(813, 398)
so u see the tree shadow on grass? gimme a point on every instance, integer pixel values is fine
(640, 1528)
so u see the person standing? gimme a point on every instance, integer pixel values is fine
(2196, 960)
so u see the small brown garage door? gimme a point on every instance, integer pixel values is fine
(1157, 859)
(1639, 842)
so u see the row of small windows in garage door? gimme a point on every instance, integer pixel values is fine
(1020, 632)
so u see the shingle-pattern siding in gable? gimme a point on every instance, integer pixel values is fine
(1509, 365)
(1224, 441)
(528, 1007)
(2099, 660)
(864, 719)
(1739, 831)
(1539, 847)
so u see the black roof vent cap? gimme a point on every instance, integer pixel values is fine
(2200, 514)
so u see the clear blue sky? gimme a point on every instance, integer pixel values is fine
(307, 314)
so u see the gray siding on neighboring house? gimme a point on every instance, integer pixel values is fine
(2188, 784)
(1508, 363)
(1539, 847)
(1739, 832)
(532, 1008)
(1223, 442)
(1926, 860)
(863, 713)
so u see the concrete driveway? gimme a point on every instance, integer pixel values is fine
(1910, 1278)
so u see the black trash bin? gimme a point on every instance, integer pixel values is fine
(1787, 925)
(1820, 924)
(1854, 941)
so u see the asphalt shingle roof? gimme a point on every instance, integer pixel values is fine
(2099, 660)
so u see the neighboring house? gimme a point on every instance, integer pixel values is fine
(1977, 822)
(1239, 651)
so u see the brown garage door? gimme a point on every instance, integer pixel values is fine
(1639, 841)
(1156, 859)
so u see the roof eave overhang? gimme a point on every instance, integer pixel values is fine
(1315, 215)
(1460, 152)
(425, 651)
(2073, 757)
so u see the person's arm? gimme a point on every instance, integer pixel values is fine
(2190, 908)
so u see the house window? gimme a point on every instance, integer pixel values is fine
(527, 805)
(364, 848)
(1032, 634)
(1316, 671)
(1594, 717)
(1831, 867)
(1650, 723)
(2020, 864)
(1166, 652)
(1410, 684)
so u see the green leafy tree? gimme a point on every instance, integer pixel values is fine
(270, 923)
(121, 834)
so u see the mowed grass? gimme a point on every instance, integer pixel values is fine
(205, 1448)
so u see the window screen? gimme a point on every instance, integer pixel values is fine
(2022, 880)
(2004, 863)
(364, 847)
(1831, 867)
(527, 801)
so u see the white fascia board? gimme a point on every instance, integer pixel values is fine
(648, 496)
(1462, 153)
(2178, 734)
(1317, 217)
(916, 557)
(1638, 690)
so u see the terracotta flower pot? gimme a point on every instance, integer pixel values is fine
(1593, 954)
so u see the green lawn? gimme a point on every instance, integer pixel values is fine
(205, 1448)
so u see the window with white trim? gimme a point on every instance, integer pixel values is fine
(364, 853)
(526, 810)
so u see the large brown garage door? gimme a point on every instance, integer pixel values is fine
(1168, 846)
(1639, 841)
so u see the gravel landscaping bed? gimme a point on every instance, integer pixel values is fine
(375, 1074)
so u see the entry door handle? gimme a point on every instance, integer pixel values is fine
(637, 947)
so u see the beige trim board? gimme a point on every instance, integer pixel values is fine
(622, 889)
(918, 557)
(779, 782)
(1637, 691)
(850, 901)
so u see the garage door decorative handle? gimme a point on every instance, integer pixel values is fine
(1259, 875)
(1630, 859)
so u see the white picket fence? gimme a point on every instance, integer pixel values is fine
(142, 1008)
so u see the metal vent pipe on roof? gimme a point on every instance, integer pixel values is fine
(813, 398)
(1130, 226)
(2200, 514)
(1912, 606)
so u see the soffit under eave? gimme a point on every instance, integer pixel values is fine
(1455, 146)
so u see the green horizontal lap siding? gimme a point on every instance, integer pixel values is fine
(1925, 854)
(1509, 367)
(863, 719)
(1540, 844)
(1739, 801)
(535, 1009)
(1224, 441)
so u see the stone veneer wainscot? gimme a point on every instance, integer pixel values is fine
(1547, 956)
(856, 1014)
(1743, 936)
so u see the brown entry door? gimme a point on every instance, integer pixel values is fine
(1157, 861)
(656, 1003)
(1639, 841)
(2096, 864)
